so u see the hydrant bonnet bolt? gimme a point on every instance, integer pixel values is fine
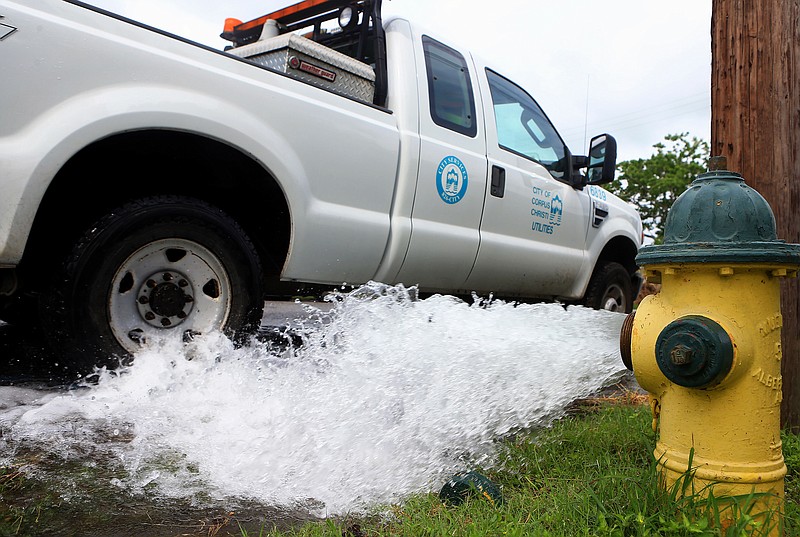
(694, 352)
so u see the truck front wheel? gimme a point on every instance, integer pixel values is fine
(610, 289)
(165, 266)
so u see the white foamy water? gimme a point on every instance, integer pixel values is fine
(390, 397)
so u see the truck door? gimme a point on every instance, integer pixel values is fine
(533, 232)
(451, 181)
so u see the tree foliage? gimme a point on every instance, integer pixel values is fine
(653, 184)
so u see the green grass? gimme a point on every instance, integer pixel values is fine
(590, 474)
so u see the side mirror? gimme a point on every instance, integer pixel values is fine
(602, 160)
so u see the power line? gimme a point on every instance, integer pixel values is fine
(643, 116)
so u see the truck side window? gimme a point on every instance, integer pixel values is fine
(523, 128)
(449, 88)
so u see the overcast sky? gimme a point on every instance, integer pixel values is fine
(637, 69)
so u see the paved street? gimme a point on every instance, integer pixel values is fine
(22, 359)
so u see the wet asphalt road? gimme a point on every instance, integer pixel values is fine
(23, 360)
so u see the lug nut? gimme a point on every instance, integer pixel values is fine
(183, 283)
(149, 315)
(189, 335)
(165, 321)
(143, 300)
(136, 335)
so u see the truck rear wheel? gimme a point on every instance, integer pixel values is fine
(610, 289)
(164, 266)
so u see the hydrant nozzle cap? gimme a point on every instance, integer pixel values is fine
(694, 352)
(720, 219)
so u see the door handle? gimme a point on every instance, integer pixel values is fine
(498, 181)
(6, 29)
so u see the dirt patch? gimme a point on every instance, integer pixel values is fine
(624, 391)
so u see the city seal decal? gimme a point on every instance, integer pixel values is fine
(451, 180)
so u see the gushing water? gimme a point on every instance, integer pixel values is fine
(387, 396)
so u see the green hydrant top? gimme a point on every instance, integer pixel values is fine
(719, 219)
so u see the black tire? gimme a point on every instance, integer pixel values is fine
(610, 289)
(166, 265)
(19, 310)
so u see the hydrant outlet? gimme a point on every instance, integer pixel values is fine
(694, 352)
(625, 335)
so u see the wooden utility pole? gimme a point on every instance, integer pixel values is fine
(755, 123)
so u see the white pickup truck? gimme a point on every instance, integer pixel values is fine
(153, 185)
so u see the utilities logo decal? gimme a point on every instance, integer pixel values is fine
(451, 180)
(556, 211)
(547, 210)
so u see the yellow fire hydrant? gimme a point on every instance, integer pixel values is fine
(707, 347)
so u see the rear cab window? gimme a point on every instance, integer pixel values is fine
(523, 127)
(452, 103)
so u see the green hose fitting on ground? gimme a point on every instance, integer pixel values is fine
(461, 486)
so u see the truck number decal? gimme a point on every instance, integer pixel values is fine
(597, 192)
(547, 211)
(451, 180)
